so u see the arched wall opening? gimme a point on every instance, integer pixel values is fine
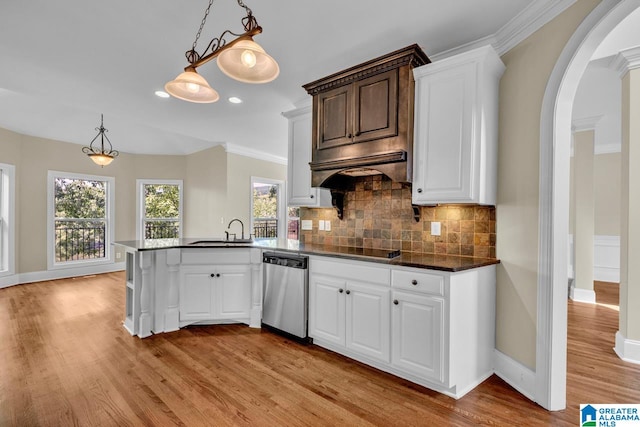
(555, 139)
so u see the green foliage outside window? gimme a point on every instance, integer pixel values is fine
(80, 219)
(162, 211)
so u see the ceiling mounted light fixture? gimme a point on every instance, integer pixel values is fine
(241, 59)
(101, 156)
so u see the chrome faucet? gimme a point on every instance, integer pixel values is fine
(229, 227)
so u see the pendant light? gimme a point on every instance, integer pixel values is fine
(241, 59)
(101, 156)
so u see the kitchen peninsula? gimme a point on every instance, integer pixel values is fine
(427, 318)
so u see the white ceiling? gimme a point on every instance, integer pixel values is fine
(64, 62)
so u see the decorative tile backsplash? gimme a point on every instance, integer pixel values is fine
(378, 215)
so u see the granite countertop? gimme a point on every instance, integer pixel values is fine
(407, 259)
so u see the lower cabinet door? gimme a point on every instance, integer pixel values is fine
(418, 335)
(196, 294)
(368, 320)
(326, 309)
(232, 292)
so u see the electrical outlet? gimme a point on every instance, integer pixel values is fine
(118, 255)
(327, 225)
(435, 228)
(306, 224)
(321, 225)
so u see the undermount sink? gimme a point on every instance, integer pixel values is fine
(214, 242)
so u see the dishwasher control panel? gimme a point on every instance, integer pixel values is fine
(284, 260)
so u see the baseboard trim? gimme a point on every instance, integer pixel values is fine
(515, 374)
(42, 276)
(626, 349)
(582, 295)
(606, 274)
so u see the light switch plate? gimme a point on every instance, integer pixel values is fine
(321, 225)
(327, 225)
(306, 224)
(435, 228)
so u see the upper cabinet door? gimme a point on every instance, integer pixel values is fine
(299, 190)
(376, 107)
(335, 112)
(456, 129)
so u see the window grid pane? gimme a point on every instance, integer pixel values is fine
(80, 223)
(161, 217)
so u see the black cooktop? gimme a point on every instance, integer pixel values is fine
(348, 250)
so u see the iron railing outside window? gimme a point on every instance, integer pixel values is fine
(265, 227)
(161, 229)
(80, 239)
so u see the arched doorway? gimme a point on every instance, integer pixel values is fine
(555, 138)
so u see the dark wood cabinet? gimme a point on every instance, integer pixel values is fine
(358, 112)
(363, 118)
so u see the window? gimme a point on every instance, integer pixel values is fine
(7, 225)
(159, 209)
(267, 208)
(80, 219)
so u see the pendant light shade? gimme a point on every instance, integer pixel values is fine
(101, 159)
(191, 86)
(246, 61)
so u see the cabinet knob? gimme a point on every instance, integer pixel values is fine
(357, 134)
(395, 301)
(213, 275)
(348, 291)
(349, 136)
(311, 196)
(341, 290)
(414, 282)
(419, 190)
(218, 275)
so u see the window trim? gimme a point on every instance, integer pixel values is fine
(109, 218)
(140, 183)
(8, 214)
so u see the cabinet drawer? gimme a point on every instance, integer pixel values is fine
(418, 281)
(350, 270)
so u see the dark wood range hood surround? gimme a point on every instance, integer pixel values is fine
(363, 121)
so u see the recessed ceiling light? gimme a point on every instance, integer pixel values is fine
(235, 100)
(162, 94)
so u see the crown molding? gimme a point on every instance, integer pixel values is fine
(585, 123)
(528, 21)
(628, 59)
(256, 154)
(614, 147)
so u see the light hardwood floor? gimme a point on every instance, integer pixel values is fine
(65, 360)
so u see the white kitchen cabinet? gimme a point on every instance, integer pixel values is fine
(299, 190)
(327, 314)
(418, 335)
(435, 328)
(215, 292)
(456, 129)
(349, 307)
(350, 314)
(367, 319)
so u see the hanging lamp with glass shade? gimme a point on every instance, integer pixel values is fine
(241, 59)
(246, 61)
(191, 86)
(101, 156)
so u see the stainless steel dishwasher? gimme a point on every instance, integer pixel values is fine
(285, 292)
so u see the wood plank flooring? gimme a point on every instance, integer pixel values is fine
(65, 360)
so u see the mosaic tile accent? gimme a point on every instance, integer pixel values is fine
(378, 215)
